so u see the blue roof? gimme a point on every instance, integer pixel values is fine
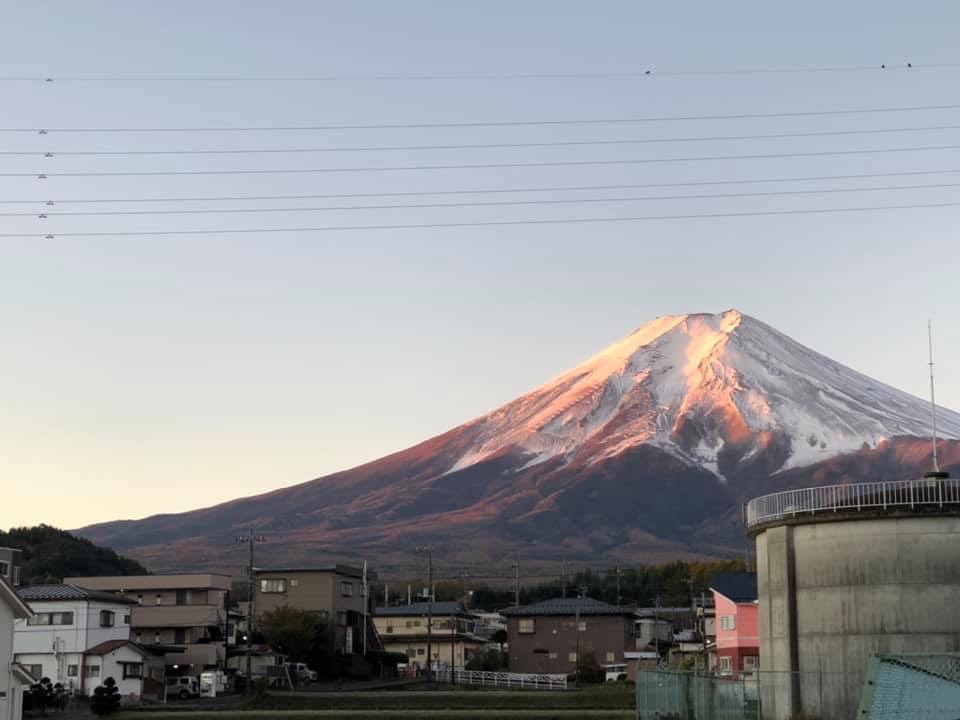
(738, 587)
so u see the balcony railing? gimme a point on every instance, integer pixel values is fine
(900, 495)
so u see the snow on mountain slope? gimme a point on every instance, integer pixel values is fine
(696, 384)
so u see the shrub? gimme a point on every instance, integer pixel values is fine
(106, 698)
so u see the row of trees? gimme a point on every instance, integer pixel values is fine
(672, 584)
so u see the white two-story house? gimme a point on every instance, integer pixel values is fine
(79, 638)
(14, 678)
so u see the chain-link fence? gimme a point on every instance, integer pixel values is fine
(677, 695)
(912, 686)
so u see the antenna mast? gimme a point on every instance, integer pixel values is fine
(933, 404)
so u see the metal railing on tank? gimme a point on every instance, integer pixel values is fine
(935, 490)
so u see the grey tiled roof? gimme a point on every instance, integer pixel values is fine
(418, 609)
(567, 606)
(63, 591)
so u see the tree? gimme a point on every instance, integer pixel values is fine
(292, 631)
(499, 637)
(106, 698)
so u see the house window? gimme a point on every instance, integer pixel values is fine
(181, 597)
(726, 665)
(4, 568)
(526, 626)
(36, 671)
(408, 623)
(179, 636)
(106, 618)
(411, 652)
(421, 651)
(582, 625)
(51, 618)
(132, 670)
(126, 619)
(16, 574)
(276, 585)
(341, 617)
(749, 663)
(156, 638)
(572, 657)
(72, 670)
(91, 671)
(389, 629)
(552, 656)
(294, 582)
(159, 597)
(139, 599)
(138, 637)
(611, 656)
(346, 588)
(728, 622)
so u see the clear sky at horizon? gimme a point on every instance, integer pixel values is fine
(159, 373)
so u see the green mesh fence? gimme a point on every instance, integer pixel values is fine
(668, 695)
(912, 686)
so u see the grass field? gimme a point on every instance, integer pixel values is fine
(605, 703)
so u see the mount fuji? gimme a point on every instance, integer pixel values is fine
(644, 452)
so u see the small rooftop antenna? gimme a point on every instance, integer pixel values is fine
(933, 408)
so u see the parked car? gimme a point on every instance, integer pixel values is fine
(301, 673)
(183, 686)
(615, 672)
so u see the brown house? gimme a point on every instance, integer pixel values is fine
(334, 592)
(550, 636)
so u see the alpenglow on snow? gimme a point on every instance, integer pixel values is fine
(695, 384)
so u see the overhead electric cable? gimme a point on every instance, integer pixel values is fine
(647, 71)
(483, 223)
(483, 203)
(476, 166)
(481, 191)
(473, 146)
(484, 123)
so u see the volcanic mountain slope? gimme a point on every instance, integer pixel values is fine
(644, 449)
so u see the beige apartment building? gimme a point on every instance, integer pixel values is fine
(334, 592)
(185, 610)
(403, 630)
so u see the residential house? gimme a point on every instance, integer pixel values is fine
(334, 592)
(14, 677)
(738, 622)
(11, 567)
(265, 662)
(187, 610)
(652, 633)
(80, 637)
(453, 637)
(553, 635)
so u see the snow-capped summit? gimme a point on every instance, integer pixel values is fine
(695, 385)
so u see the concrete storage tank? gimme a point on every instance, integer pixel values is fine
(847, 571)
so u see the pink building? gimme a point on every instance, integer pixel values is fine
(738, 622)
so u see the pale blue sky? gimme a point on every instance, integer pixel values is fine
(157, 374)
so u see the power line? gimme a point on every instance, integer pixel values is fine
(484, 191)
(485, 123)
(479, 166)
(472, 146)
(488, 203)
(650, 71)
(486, 223)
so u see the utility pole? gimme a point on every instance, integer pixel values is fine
(250, 539)
(516, 580)
(656, 630)
(429, 550)
(576, 669)
(563, 578)
(618, 586)
(933, 403)
(366, 603)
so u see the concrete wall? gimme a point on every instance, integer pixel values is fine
(834, 593)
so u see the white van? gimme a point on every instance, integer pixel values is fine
(182, 686)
